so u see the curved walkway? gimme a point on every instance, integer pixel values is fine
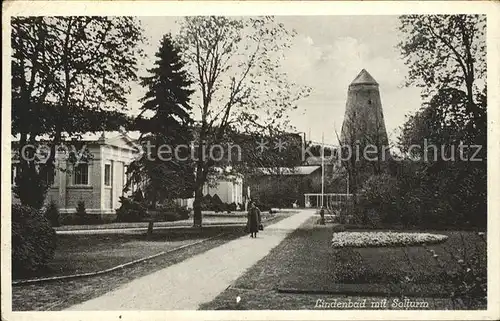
(186, 285)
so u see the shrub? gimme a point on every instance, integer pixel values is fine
(131, 211)
(232, 207)
(33, 241)
(378, 198)
(206, 203)
(284, 201)
(166, 214)
(138, 196)
(171, 211)
(172, 217)
(52, 214)
(264, 207)
(183, 212)
(217, 205)
(216, 199)
(435, 196)
(467, 286)
(372, 217)
(225, 208)
(207, 198)
(69, 219)
(30, 187)
(81, 211)
(82, 217)
(347, 213)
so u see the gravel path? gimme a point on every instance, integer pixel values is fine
(199, 279)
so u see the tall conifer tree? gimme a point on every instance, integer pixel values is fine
(165, 120)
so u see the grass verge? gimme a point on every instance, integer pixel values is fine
(58, 295)
(304, 268)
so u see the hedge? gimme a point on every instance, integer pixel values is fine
(33, 241)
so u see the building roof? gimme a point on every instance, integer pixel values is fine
(132, 135)
(112, 138)
(299, 170)
(316, 160)
(91, 136)
(364, 78)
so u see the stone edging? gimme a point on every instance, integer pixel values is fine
(114, 268)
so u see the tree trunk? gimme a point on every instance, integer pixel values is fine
(201, 175)
(152, 216)
(150, 227)
(198, 195)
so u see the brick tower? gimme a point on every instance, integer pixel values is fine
(364, 125)
(364, 118)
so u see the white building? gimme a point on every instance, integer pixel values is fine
(230, 190)
(100, 181)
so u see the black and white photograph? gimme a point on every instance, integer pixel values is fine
(240, 159)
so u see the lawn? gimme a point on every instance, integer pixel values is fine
(304, 268)
(84, 253)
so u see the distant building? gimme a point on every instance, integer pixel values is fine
(283, 187)
(229, 190)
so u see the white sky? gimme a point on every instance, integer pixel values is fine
(327, 54)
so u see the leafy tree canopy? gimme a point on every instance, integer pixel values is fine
(69, 75)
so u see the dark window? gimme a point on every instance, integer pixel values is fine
(81, 175)
(107, 175)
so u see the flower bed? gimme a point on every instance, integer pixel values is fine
(380, 239)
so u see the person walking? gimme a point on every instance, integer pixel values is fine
(253, 220)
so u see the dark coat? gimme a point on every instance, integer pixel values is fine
(253, 220)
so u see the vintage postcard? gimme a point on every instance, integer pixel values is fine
(250, 160)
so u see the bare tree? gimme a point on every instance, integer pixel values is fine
(235, 63)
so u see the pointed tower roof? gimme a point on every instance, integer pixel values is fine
(364, 78)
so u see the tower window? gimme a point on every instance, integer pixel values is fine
(369, 101)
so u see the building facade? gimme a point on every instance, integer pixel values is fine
(99, 182)
(283, 187)
(229, 190)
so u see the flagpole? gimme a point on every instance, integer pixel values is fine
(322, 169)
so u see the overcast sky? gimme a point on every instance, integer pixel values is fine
(327, 54)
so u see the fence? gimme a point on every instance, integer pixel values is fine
(329, 199)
